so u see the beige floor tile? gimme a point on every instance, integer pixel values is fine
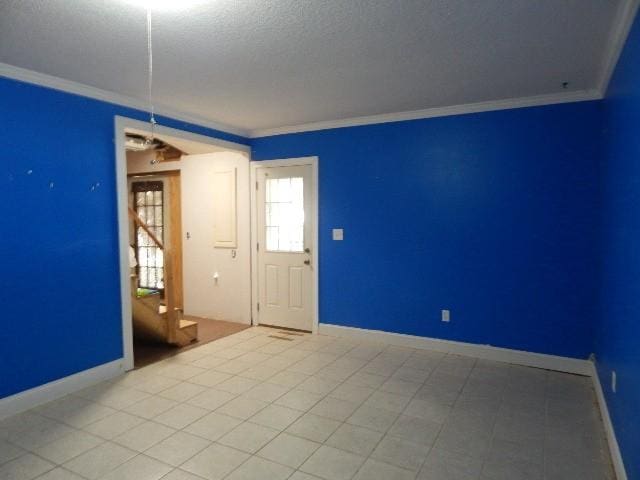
(233, 367)
(289, 450)
(373, 418)
(215, 462)
(210, 378)
(179, 474)
(182, 392)
(276, 416)
(352, 393)
(39, 434)
(415, 430)
(25, 467)
(180, 372)
(211, 399)
(155, 384)
(313, 427)
(441, 464)
(69, 446)
(333, 464)
(213, 426)
(259, 469)
(180, 416)
(288, 379)
(144, 436)
(299, 400)
(412, 412)
(248, 437)
(242, 407)
(139, 468)
(178, 448)
(9, 451)
(150, 407)
(400, 453)
(355, 439)
(334, 408)
(60, 473)
(237, 385)
(388, 401)
(113, 425)
(298, 475)
(375, 470)
(97, 462)
(267, 392)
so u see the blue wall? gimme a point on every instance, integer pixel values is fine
(618, 334)
(59, 287)
(492, 215)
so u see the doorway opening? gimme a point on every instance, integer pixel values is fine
(210, 243)
(184, 235)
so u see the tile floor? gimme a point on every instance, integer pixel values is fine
(251, 406)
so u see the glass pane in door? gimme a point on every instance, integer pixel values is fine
(284, 214)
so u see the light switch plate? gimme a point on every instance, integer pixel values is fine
(338, 234)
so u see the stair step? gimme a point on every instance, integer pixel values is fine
(187, 323)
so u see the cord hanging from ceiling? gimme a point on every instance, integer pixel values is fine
(152, 118)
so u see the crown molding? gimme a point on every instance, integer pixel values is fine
(621, 27)
(56, 83)
(506, 104)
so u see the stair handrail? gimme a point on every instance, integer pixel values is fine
(142, 224)
(173, 322)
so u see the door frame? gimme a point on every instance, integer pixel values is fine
(287, 162)
(121, 124)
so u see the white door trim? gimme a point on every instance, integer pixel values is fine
(121, 124)
(287, 162)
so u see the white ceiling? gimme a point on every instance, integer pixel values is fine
(258, 65)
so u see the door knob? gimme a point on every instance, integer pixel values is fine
(307, 262)
(307, 250)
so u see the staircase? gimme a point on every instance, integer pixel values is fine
(156, 322)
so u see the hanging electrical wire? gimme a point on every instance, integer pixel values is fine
(152, 118)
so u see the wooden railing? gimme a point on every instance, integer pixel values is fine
(173, 321)
(141, 223)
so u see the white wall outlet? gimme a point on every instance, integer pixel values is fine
(614, 382)
(337, 234)
(446, 315)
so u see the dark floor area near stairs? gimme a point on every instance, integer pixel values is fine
(146, 353)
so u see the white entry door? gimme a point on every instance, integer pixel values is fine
(285, 246)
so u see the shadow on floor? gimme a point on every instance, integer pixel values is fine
(146, 353)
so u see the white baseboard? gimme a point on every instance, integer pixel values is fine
(59, 388)
(614, 448)
(487, 352)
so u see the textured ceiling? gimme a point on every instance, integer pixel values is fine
(265, 64)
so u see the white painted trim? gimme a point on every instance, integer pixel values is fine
(487, 352)
(617, 40)
(56, 83)
(59, 388)
(614, 448)
(120, 125)
(315, 259)
(122, 204)
(506, 104)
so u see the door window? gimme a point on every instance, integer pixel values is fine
(149, 205)
(284, 214)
